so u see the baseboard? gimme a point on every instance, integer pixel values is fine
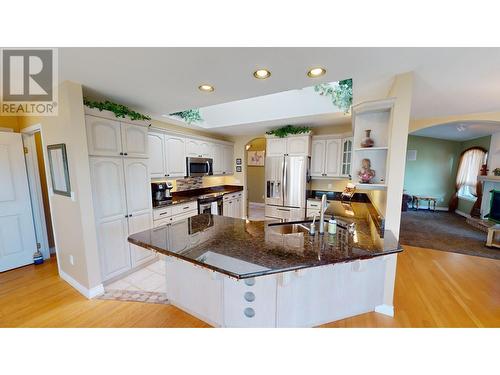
(461, 213)
(255, 204)
(87, 293)
(442, 208)
(385, 309)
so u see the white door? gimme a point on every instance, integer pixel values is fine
(275, 147)
(218, 155)
(318, 158)
(138, 223)
(17, 234)
(297, 146)
(228, 155)
(110, 207)
(156, 155)
(332, 157)
(134, 140)
(137, 185)
(103, 136)
(193, 148)
(175, 156)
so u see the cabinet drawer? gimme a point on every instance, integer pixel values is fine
(312, 212)
(228, 197)
(314, 204)
(162, 213)
(184, 207)
(284, 213)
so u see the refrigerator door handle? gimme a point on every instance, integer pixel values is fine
(285, 182)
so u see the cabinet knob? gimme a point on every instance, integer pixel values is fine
(125, 154)
(121, 153)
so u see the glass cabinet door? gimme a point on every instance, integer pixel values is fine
(346, 156)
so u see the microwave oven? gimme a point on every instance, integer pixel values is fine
(196, 167)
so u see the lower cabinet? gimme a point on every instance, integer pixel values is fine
(233, 205)
(138, 223)
(113, 246)
(284, 213)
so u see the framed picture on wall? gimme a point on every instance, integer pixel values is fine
(59, 171)
(255, 158)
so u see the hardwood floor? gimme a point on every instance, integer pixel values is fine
(433, 289)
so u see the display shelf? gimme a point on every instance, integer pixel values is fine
(362, 186)
(372, 148)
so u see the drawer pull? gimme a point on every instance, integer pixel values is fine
(283, 209)
(163, 213)
(249, 296)
(185, 208)
(250, 282)
(249, 312)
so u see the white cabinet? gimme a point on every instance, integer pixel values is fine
(107, 137)
(175, 156)
(218, 156)
(346, 165)
(292, 145)
(134, 140)
(325, 159)
(157, 160)
(122, 203)
(198, 148)
(233, 205)
(228, 155)
(103, 136)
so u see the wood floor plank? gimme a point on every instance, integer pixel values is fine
(433, 289)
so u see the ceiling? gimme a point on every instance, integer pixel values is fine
(460, 131)
(156, 81)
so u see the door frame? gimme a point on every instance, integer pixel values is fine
(28, 136)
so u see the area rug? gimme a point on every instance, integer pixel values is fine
(135, 296)
(443, 231)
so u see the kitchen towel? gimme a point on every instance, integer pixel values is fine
(213, 208)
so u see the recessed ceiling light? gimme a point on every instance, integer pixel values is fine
(262, 74)
(316, 72)
(206, 88)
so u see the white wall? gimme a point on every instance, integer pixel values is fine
(494, 153)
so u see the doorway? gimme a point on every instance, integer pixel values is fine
(37, 180)
(255, 165)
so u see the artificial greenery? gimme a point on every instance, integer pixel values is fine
(340, 94)
(496, 171)
(118, 109)
(289, 129)
(190, 115)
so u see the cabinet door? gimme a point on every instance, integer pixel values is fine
(193, 148)
(228, 155)
(346, 157)
(218, 155)
(156, 155)
(103, 136)
(275, 147)
(108, 193)
(205, 149)
(318, 158)
(298, 146)
(175, 156)
(238, 209)
(134, 140)
(332, 168)
(138, 223)
(138, 186)
(227, 208)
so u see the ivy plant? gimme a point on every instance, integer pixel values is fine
(340, 93)
(190, 115)
(289, 129)
(118, 109)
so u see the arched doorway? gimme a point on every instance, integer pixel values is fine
(255, 151)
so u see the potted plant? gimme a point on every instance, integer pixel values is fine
(496, 171)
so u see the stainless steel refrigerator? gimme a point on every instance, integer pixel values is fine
(287, 181)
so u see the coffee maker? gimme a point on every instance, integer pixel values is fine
(161, 193)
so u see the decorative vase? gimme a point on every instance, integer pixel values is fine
(484, 170)
(367, 141)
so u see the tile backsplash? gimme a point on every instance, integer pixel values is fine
(189, 183)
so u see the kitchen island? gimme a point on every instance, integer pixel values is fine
(239, 273)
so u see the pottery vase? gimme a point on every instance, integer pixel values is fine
(367, 141)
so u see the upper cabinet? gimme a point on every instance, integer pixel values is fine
(168, 152)
(331, 156)
(107, 137)
(198, 148)
(292, 145)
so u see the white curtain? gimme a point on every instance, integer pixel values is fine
(468, 169)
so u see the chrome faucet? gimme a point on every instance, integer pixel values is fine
(322, 214)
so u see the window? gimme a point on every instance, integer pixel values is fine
(468, 170)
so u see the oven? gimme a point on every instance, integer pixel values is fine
(196, 167)
(205, 205)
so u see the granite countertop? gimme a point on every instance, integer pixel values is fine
(180, 197)
(243, 249)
